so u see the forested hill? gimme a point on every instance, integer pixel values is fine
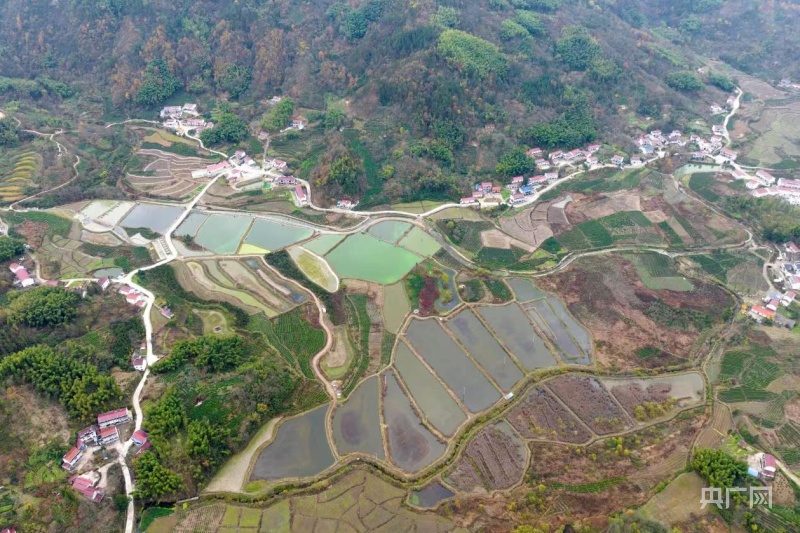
(450, 86)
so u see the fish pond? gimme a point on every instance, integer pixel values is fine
(524, 289)
(362, 256)
(419, 242)
(157, 218)
(272, 236)
(412, 446)
(429, 496)
(390, 230)
(191, 224)
(513, 329)
(300, 449)
(322, 244)
(452, 364)
(221, 233)
(485, 349)
(438, 407)
(357, 423)
(545, 317)
(396, 306)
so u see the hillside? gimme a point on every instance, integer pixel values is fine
(436, 93)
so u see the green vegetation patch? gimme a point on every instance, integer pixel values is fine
(300, 338)
(718, 265)
(658, 272)
(594, 487)
(498, 289)
(471, 54)
(703, 184)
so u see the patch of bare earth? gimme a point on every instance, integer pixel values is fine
(607, 296)
(494, 238)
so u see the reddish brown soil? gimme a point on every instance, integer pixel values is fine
(541, 416)
(632, 394)
(33, 232)
(591, 402)
(493, 460)
(428, 296)
(607, 296)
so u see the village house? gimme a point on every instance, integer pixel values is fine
(731, 101)
(87, 437)
(716, 109)
(193, 123)
(517, 181)
(592, 148)
(190, 108)
(768, 466)
(516, 198)
(344, 204)
(478, 193)
(543, 164)
(104, 283)
(759, 313)
(138, 362)
(172, 111)
(298, 123)
(276, 164)
(773, 304)
(139, 437)
(551, 176)
(535, 152)
(592, 160)
(556, 156)
(788, 298)
(300, 195)
(698, 156)
(238, 157)
(108, 435)
(636, 162)
(218, 168)
(739, 174)
(167, 313)
(113, 418)
(485, 186)
(792, 184)
(71, 458)
(467, 200)
(718, 129)
(171, 124)
(618, 160)
(286, 180)
(527, 190)
(537, 181)
(765, 177)
(496, 189)
(752, 184)
(88, 488)
(792, 251)
(728, 154)
(21, 273)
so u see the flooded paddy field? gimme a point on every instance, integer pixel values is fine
(191, 224)
(574, 328)
(322, 244)
(221, 233)
(419, 242)
(362, 256)
(157, 218)
(524, 289)
(430, 496)
(300, 449)
(356, 423)
(439, 408)
(390, 230)
(396, 306)
(483, 347)
(273, 236)
(513, 328)
(452, 364)
(412, 446)
(543, 316)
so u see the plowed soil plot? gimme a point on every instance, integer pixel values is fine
(633, 326)
(591, 403)
(632, 394)
(541, 416)
(494, 460)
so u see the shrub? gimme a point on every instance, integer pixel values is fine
(471, 54)
(684, 81)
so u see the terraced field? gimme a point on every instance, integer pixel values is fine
(20, 179)
(166, 174)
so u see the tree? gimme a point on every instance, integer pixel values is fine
(718, 468)
(346, 171)
(235, 80)
(278, 118)
(9, 135)
(43, 307)
(446, 17)
(167, 416)
(515, 163)
(157, 85)
(154, 480)
(334, 119)
(577, 48)
(722, 82)
(683, 80)
(229, 128)
(10, 247)
(207, 443)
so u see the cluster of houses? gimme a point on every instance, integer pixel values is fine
(23, 278)
(657, 140)
(560, 158)
(132, 296)
(788, 275)
(184, 118)
(788, 189)
(717, 109)
(103, 433)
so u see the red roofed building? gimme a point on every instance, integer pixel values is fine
(759, 312)
(534, 152)
(467, 200)
(300, 194)
(286, 180)
(112, 418)
(769, 466)
(88, 435)
(108, 435)
(486, 186)
(81, 483)
(773, 304)
(788, 298)
(477, 194)
(139, 437)
(518, 180)
(218, 167)
(94, 495)
(21, 273)
(517, 198)
(70, 460)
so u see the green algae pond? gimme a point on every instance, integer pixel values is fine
(438, 407)
(514, 330)
(300, 449)
(322, 244)
(362, 256)
(221, 233)
(412, 446)
(485, 349)
(191, 224)
(357, 423)
(389, 230)
(273, 236)
(419, 242)
(452, 364)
